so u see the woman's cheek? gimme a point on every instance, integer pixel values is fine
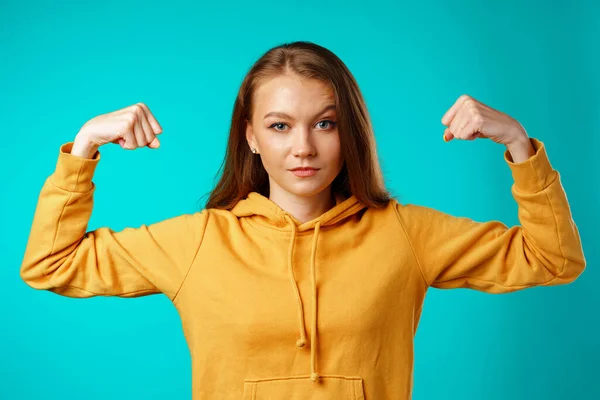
(277, 146)
(333, 148)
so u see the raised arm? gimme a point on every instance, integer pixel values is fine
(63, 257)
(457, 252)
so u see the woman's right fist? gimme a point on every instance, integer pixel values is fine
(131, 127)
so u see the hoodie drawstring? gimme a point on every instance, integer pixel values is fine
(313, 335)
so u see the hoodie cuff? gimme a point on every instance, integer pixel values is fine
(74, 173)
(534, 174)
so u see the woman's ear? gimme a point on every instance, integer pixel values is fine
(250, 135)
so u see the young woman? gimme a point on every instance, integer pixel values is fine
(302, 277)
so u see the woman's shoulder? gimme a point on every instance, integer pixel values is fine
(411, 212)
(216, 215)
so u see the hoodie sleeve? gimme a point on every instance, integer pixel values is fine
(65, 259)
(545, 250)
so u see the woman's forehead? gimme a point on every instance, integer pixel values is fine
(293, 95)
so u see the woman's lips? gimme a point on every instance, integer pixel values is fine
(304, 172)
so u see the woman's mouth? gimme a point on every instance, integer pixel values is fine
(304, 172)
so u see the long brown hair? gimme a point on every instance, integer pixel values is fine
(243, 172)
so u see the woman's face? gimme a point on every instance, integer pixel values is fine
(294, 124)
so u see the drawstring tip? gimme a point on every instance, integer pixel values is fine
(314, 376)
(300, 342)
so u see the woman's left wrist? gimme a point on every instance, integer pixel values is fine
(520, 148)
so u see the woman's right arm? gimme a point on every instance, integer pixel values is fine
(62, 257)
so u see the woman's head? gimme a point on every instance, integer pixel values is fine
(293, 124)
(300, 106)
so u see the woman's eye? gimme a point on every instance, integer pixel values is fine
(331, 123)
(277, 124)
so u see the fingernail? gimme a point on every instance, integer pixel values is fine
(444, 136)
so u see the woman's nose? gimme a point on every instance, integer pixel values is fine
(302, 145)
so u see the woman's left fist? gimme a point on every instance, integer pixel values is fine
(469, 119)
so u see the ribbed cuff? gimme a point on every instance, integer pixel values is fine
(74, 173)
(533, 174)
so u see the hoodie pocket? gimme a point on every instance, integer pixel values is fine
(302, 388)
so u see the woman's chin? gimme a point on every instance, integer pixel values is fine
(306, 189)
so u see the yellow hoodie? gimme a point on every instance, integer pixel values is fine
(273, 308)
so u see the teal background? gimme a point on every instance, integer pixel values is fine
(63, 63)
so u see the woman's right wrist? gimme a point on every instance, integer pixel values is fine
(83, 147)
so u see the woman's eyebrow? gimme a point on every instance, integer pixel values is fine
(284, 115)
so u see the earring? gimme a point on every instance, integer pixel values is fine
(253, 150)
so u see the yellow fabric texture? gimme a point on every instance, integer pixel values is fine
(273, 308)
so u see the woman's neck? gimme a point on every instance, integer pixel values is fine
(303, 208)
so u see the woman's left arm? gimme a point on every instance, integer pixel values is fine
(457, 252)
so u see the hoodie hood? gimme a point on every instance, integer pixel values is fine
(268, 212)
